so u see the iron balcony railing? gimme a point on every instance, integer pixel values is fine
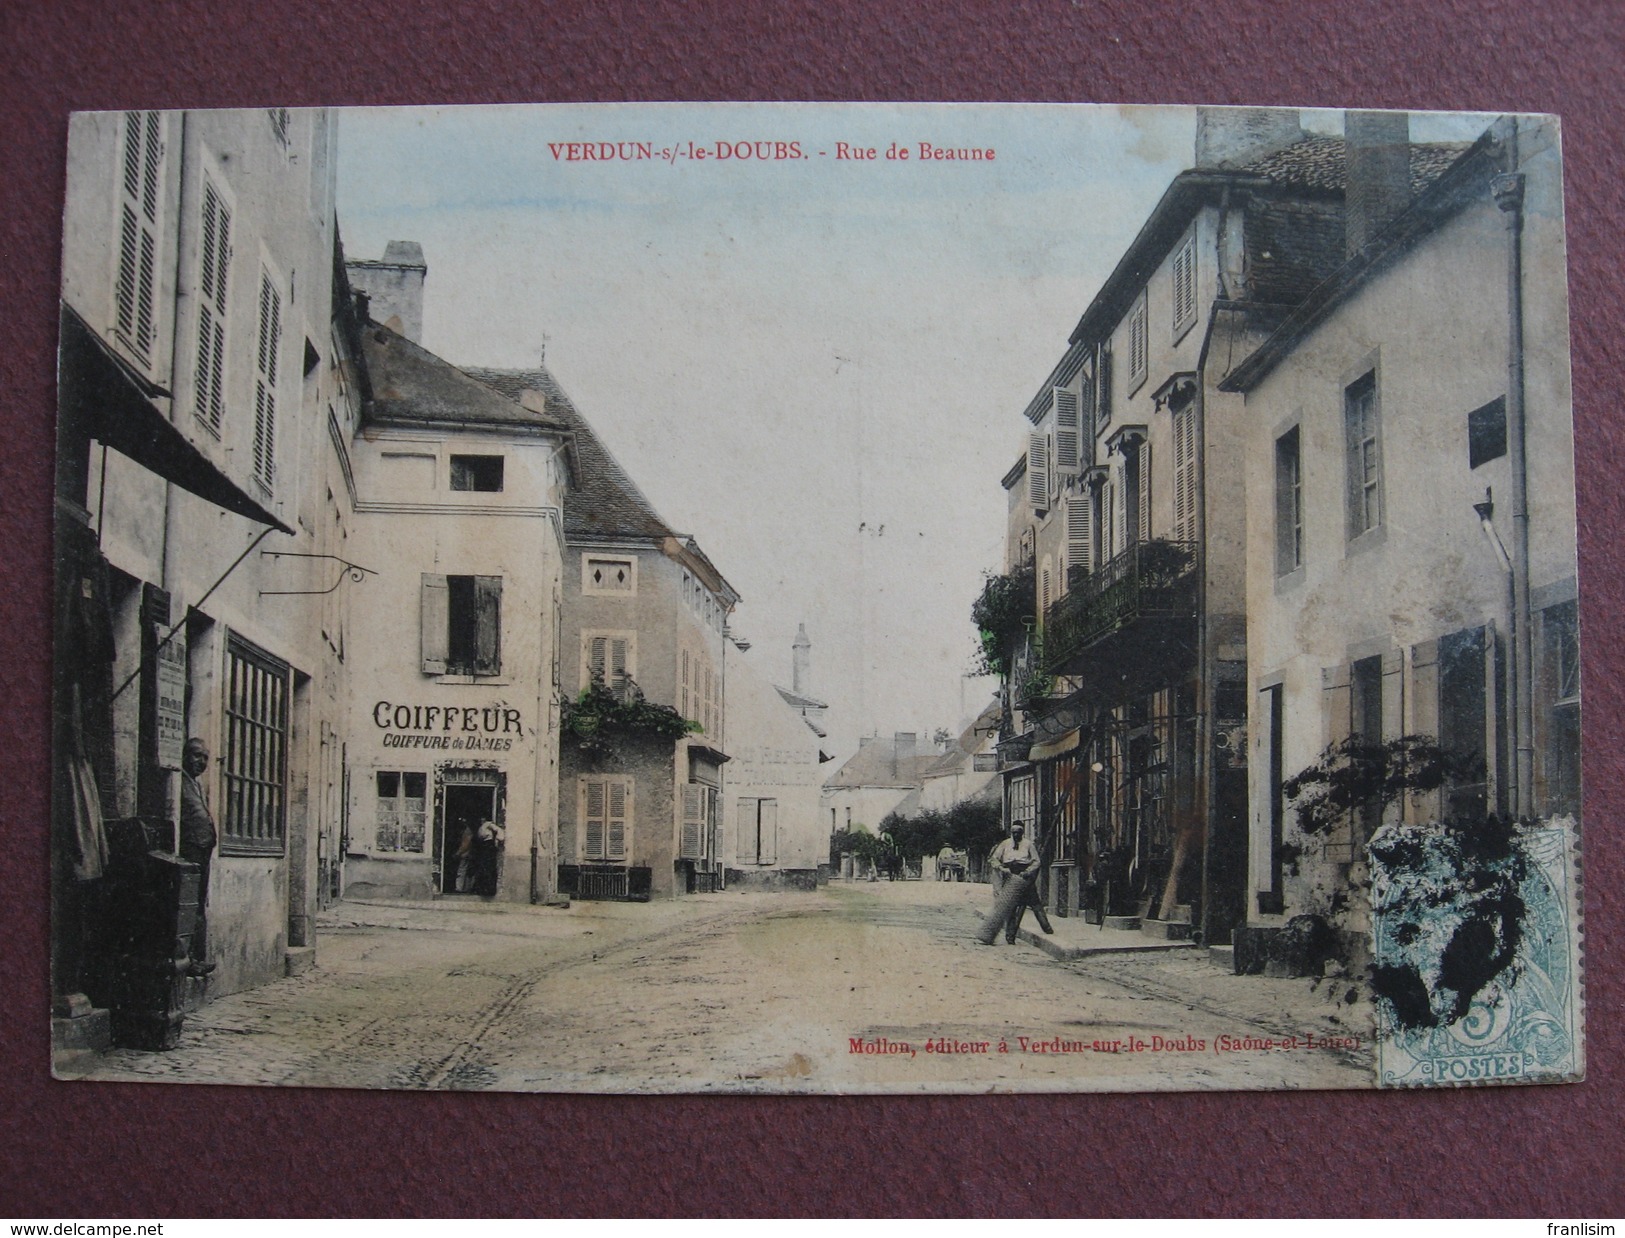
(1151, 580)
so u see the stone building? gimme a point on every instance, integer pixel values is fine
(1127, 706)
(1408, 460)
(645, 613)
(205, 398)
(453, 650)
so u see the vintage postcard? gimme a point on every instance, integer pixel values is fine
(816, 598)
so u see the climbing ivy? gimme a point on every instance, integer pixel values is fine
(600, 716)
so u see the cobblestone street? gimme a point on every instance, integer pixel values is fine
(751, 992)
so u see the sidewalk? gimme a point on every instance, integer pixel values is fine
(1074, 938)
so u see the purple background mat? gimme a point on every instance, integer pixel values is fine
(128, 1150)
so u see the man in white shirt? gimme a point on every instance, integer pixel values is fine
(1017, 859)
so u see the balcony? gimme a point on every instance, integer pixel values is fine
(1132, 620)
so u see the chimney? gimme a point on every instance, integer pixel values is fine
(1230, 137)
(1377, 180)
(394, 287)
(800, 651)
(902, 751)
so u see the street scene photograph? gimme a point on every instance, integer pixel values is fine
(815, 598)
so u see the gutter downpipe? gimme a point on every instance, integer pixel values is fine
(1508, 191)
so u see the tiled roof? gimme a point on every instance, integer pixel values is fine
(1320, 163)
(412, 386)
(605, 502)
(875, 765)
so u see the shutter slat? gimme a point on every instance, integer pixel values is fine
(1037, 472)
(1067, 430)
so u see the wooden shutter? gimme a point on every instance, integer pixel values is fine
(487, 625)
(435, 622)
(215, 262)
(594, 809)
(1424, 806)
(1080, 534)
(1336, 718)
(692, 838)
(597, 657)
(135, 293)
(1068, 430)
(617, 669)
(619, 797)
(1144, 499)
(1185, 283)
(1185, 474)
(1037, 472)
(746, 840)
(1137, 342)
(688, 707)
(270, 346)
(769, 832)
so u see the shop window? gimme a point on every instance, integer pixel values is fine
(1288, 503)
(478, 473)
(461, 624)
(758, 837)
(1487, 433)
(253, 820)
(606, 819)
(402, 811)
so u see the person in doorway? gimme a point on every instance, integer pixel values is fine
(197, 844)
(465, 860)
(1017, 859)
(488, 858)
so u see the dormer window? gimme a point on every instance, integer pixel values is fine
(479, 473)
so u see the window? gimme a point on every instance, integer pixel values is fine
(398, 822)
(265, 380)
(1362, 434)
(256, 748)
(461, 625)
(604, 575)
(1288, 503)
(1561, 638)
(610, 657)
(758, 837)
(1365, 725)
(1184, 274)
(1487, 432)
(214, 264)
(1272, 901)
(481, 473)
(606, 819)
(1463, 719)
(135, 294)
(1137, 358)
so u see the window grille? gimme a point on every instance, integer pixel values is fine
(256, 748)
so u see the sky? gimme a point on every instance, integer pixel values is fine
(815, 365)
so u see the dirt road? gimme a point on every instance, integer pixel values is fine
(861, 988)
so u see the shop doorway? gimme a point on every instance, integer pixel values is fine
(467, 799)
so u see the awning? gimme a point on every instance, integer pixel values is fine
(100, 397)
(1050, 748)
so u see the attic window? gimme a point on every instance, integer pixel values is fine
(601, 574)
(482, 473)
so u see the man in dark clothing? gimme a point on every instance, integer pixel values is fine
(197, 842)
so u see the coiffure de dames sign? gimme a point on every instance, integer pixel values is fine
(461, 728)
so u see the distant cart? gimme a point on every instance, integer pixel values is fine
(952, 865)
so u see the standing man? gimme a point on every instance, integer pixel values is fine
(197, 842)
(1017, 859)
